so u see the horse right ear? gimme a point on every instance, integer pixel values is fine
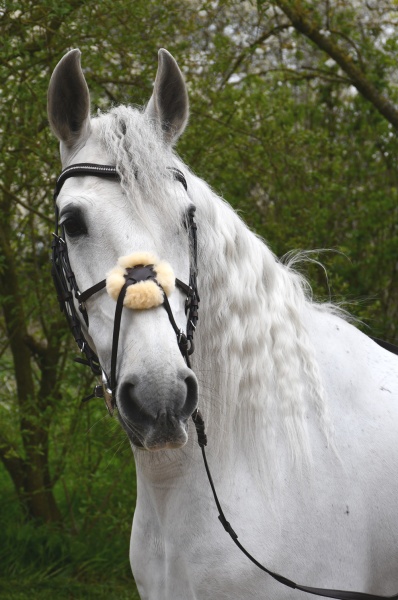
(169, 104)
(68, 101)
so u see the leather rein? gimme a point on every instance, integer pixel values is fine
(68, 292)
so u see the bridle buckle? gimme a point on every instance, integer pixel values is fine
(107, 393)
(82, 305)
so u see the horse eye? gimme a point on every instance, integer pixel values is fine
(74, 226)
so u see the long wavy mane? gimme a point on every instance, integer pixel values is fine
(252, 346)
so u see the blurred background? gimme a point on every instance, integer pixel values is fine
(293, 121)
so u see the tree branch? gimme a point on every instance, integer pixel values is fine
(249, 49)
(299, 17)
(306, 73)
(26, 206)
(13, 463)
(351, 43)
(14, 317)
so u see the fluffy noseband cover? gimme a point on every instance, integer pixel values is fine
(143, 294)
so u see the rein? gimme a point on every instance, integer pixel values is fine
(324, 592)
(67, 291)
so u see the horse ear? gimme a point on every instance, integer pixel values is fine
(68, 101)
(169, 102)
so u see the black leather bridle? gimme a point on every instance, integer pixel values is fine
(68, 292)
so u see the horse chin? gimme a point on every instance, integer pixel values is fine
(166, 440)
(167, 445)
(159, 438)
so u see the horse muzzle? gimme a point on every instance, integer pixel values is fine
(155, 414)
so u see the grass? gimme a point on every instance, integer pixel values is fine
(61, 588)
(46, 564)
(40, 563)
(86, 558)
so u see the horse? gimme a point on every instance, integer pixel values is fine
(301, 408)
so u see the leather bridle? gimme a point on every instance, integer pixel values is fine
(68, 292)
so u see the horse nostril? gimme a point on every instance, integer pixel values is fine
(132, 408)
(191, 400)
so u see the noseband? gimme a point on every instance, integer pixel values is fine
(68, 291)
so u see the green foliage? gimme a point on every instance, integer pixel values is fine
(79, 557)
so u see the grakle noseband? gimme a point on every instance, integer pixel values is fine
(139, 281)
(148, 280)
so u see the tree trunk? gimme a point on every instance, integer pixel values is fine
(30, 473)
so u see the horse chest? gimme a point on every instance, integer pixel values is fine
(322, 527)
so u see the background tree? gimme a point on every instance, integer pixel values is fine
(293, 120)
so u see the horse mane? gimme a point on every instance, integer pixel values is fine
(256, 349)
(252, 347)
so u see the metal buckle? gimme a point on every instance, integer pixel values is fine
(107, 393)
(82, 305)
(98, 391)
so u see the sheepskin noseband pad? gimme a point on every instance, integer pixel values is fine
(148, 279)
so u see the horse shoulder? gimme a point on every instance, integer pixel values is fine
(352, 358)
(361, 388)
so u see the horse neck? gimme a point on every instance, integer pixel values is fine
(254, 361)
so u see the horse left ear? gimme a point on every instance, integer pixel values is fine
(169, 102)
(68, 102)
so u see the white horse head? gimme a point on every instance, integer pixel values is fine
(106, 220)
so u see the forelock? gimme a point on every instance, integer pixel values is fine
(143, 161)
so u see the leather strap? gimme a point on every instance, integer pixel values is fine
(83, 296)
(386, 345)
(115, 338)
(323, 592)
(106, 171)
